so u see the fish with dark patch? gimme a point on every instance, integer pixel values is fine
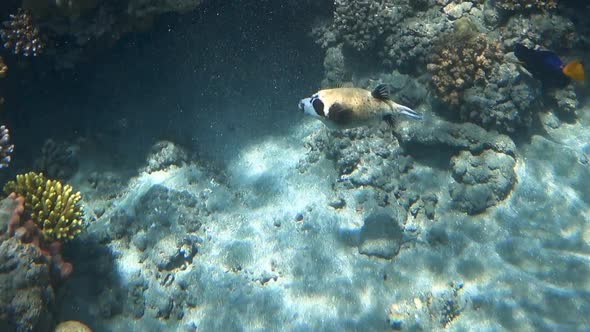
(345, 108)
(548, 68)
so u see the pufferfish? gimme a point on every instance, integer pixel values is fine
(346, 108)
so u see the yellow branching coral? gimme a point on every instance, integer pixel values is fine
(54, 207)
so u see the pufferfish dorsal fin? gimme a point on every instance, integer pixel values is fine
(381, 92)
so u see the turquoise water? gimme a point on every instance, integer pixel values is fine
(212, 203)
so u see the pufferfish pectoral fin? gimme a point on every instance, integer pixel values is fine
(339, 114)
(389, 119)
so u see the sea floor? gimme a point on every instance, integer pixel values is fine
(263, 245)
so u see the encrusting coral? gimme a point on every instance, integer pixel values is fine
(52, 206)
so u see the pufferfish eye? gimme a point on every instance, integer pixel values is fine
(318, 106)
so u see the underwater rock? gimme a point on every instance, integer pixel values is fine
(408, 46)
(381, 234)
(429, 202)
(174, 251)
(167, 208)
(136, 297)
(454, 136)
(506, 103)
(25, 291)
(555, 32)
(428, 312)
(72, 326)
(165, 154)
(334, 67)
(481, 181)
(565, 100)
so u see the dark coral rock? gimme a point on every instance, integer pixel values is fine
(165, 154)
(25, 291)
(482, 180)
(58, 160)
(381, 235)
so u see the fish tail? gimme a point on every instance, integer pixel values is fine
(408, 112)
(574, 70)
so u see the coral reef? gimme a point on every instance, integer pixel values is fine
(515, 5)
(398, 32)
(471, 76)
(23, 229)
(409, 46)
(25, 273)
(3, 68)
(25, 291)
(461, 59)
(58, 160)
(21, 35)
(53, 207)
(555, 32)
(5, 147)
(334, 67)
(360, 24)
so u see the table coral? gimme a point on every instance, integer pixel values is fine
(53, 207)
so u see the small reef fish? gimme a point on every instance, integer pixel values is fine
(345, 108)
(547, 67)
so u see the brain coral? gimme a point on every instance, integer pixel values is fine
(53, 207)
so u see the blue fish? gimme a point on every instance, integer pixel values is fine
(547, 67)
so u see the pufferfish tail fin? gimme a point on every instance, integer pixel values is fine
(381, 92)
(408, 112)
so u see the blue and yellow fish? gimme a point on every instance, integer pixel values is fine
(547, 67)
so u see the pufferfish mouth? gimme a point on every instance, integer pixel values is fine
(301, 105)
